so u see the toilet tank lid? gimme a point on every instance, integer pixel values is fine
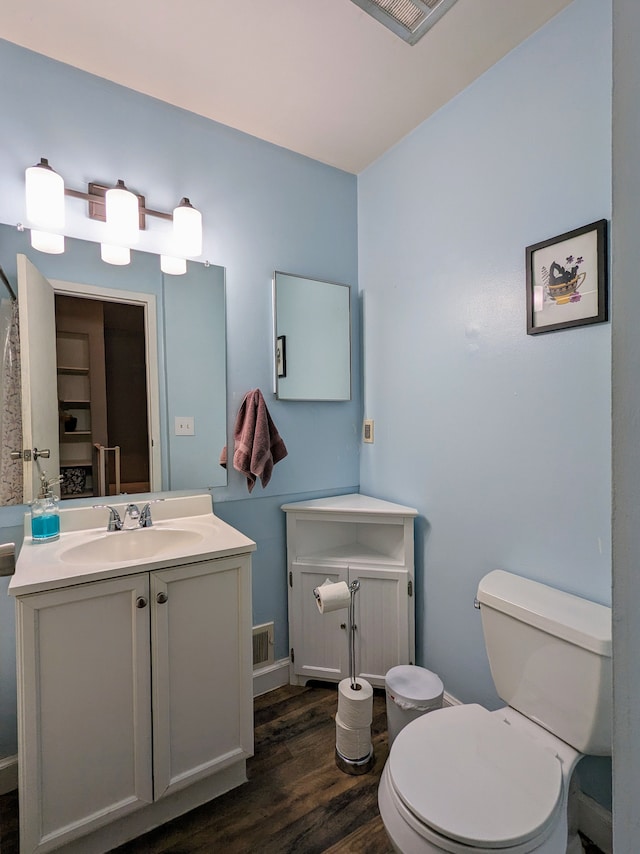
(563, 615)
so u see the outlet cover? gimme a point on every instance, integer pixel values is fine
(367, 430)
(185, 425)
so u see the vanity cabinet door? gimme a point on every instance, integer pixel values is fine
(318, 641)
(202, 671)
(83, 708)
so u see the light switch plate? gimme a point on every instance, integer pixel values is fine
(185, 425)
(367, 430)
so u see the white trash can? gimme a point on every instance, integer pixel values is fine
(411, 692)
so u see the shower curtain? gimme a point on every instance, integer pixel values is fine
(10, 404)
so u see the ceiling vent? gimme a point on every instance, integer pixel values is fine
(409, 19)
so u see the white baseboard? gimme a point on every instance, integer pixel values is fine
(8, 774)
(271, 677)
(595, 822)
(449, 700)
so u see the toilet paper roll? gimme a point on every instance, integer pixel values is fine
(355, 707)
(332, 596)
(354, 744)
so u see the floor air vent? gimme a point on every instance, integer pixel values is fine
(263, 653)
(409, 19)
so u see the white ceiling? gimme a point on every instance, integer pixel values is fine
(320, 77)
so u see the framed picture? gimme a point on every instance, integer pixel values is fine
(281, 355)
(567, 280)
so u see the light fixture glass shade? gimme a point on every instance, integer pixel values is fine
(123, 218)
(187, 230)
(173, 266)
(120, 255)
(44, 241)
(44, 190)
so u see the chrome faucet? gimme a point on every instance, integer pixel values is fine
(145, 515)
(140, 518)
(133, 512)
(115, 522)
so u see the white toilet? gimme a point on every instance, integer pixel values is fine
(463, 779)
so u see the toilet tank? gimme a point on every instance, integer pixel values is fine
(550, 657)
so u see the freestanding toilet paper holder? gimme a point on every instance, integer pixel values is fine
(360, 764)
(353, 589)
(354, 766)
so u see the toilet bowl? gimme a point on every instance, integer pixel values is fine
(467, 780)
(463, 779)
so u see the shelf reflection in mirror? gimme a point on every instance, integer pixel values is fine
(191, 346)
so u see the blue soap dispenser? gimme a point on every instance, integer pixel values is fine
(45, 514)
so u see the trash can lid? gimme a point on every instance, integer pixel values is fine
(408, 682)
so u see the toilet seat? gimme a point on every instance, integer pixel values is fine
(475, 779)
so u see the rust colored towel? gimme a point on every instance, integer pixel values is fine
(258, 445)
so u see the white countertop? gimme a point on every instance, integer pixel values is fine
(46, 566)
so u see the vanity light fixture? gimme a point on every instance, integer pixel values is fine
(124, 212)
(44, 190)
(187, 229)
(46, 241)
(112, 254)
(173, 266)
(121, 207)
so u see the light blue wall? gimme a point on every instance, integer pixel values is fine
(264, 209)
(501, 440)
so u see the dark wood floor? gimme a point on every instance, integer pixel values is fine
(296, 799)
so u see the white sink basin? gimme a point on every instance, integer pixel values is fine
(184, 530)
(138, 544)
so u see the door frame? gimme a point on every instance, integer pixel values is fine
(148, 303)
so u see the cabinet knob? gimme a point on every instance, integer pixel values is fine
(141, 602)
(161, 598)
(343, 625)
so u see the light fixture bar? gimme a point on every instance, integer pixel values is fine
(97, 210)
(127, 213)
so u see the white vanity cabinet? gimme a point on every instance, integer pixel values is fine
(135, 695)
(344, 538)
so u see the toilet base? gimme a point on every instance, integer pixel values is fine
(405, 839)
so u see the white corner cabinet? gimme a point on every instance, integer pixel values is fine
(344, 538)
(135, 697)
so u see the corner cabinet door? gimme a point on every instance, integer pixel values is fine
(384, 617)
(202, 670)
(83, 708)
(318, 641)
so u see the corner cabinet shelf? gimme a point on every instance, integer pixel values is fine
(344, 538)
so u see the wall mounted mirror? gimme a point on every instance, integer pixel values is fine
(179, 361)
(312, 322)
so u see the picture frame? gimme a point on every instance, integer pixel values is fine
(567, 279)
(281, 355)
